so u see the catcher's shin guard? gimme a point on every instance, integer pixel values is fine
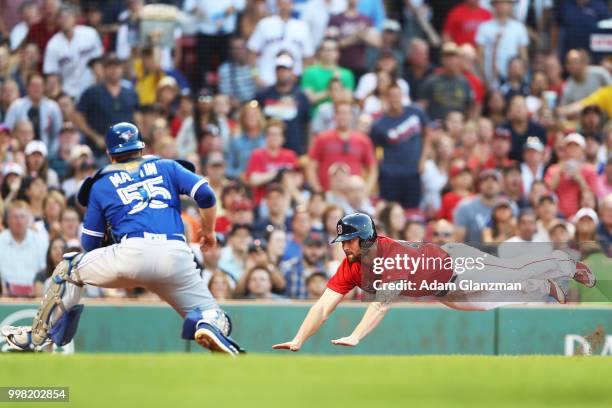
(64, 327)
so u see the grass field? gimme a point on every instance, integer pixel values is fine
(182, 380)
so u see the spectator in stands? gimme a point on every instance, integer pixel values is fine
(54, 205)
(526, 229)
(503, 224)
(301, 227)
(605, 180)
(37, 164)
(33, 191)
(472, 215)
(460, 178)
(345, 145)
(266, 162)
(532, 165)
(357, 196)
(388, 64)
(55, 252)
(275, 34)
(30, 15)
(516, 83)
(68, 138)
(285, 101)
(43, 113)
(571, 176)
(392, 220)
(250, 137)
(298, 270)
(324, 116)
(277, 208)
(547, 216)
(448, 90)
(435, 174)
(584, 79)
(316, 285)
(69, 51)
(12, 175)
(390, 45)
(41, 32)
(499, 40)
(258, 284)
(415, 230)
(443, 232)
(70, 227)
(604, 228)
(9, 93)
(418, 67)
(521, 127)
(104, 104)
(234, 255)
(29, 61)
(354, 33)
(586, 220)
(403, 134)
(463, 20)
(317, 77)
(468, 59)
(216, 23)
(277, 243)
(81, 166)
(22, 251)
(236, 75)
(577, 19)
(219, 286)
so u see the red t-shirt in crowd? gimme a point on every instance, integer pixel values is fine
(568, 190)
(463, 21)
(328, 148)
(349, 275)
(40, 34)
(262, 161)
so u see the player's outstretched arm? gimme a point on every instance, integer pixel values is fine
(371, 318)
(317, 315)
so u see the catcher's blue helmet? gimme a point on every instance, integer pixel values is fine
(356, 225)
(122, 138)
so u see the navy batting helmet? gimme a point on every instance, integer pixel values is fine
(122, 138)
(356, 225)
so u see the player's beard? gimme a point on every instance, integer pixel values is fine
(351, 257)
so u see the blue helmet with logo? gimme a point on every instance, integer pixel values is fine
(356, 225)
(122, 138)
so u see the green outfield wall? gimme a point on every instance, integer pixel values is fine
(405, 330)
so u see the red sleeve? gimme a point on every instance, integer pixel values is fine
(590, 176)
(344, 280)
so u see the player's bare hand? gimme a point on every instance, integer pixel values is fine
(290, 345)
(208, 241)
(348, 341)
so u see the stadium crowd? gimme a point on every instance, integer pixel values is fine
(472, 121)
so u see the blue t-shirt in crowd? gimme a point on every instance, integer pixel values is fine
(578, 22)
(401, 138)
(293, 108)
(519, 139)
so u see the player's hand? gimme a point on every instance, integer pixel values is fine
(349, 341)
(290, 345)
(208, 241)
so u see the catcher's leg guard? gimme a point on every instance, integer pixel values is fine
(58, 316)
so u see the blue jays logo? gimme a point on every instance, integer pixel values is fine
(127, 135)
(339, 229)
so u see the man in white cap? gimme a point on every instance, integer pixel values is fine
(274, 34)
(572, 175)
(532, 167)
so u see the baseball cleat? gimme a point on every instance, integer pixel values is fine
(556, 292)
(208, 336)
(18, 338)
(584, 275)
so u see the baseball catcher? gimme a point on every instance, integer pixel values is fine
(138, 198)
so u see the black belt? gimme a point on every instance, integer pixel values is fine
(444, 292)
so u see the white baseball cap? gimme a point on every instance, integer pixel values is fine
(575, 138)
(80, 150)
(36, 146)
(586, 212)
(12, 168)
(284, 61)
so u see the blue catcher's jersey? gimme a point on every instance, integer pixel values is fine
(139, 196)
